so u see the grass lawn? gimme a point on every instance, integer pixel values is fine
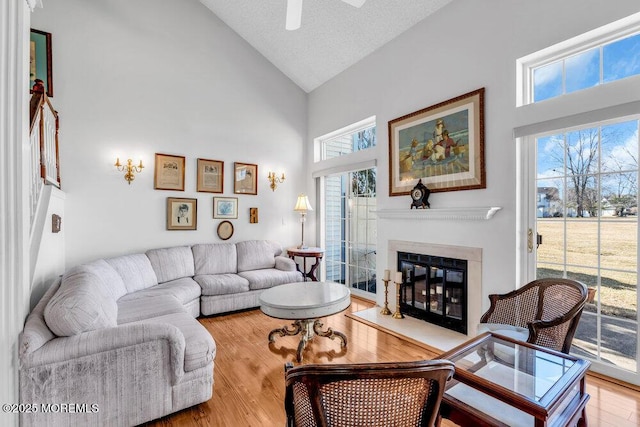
(617, 258)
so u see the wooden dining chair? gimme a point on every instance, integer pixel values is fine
(379, 394)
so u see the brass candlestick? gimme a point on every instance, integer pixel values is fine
(386, 310)
(398, 314)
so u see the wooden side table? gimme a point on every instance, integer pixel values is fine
(316, 253)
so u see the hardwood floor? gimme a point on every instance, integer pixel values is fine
(249, 373)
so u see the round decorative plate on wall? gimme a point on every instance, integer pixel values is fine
(225, 230)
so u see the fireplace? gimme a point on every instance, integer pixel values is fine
(434, 289)
(441, 268)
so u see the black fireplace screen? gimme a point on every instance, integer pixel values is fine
(434, 289)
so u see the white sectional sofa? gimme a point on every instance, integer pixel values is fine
(116, 340)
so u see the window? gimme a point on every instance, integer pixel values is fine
(579, 184)
(350, 142)
(606, 63)
(348, 197)
(599, 57)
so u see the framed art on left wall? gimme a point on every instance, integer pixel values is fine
(182, 213)
(169, 172)
(245, 178)
(210, 176)
(40, 60)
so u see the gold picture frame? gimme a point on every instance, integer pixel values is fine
(182, 213)
(210, 176)
(442, 145)
(169, 172)
(245, 178)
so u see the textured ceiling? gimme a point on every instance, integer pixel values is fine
(333, 36)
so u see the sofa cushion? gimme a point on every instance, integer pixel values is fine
(111, 280)
(171, 263)
(257, 254)
(286, 264)
(268, 277)
(200, 348)
(80, 304)
(515, 332)
(220, 258)
(183, 290)
(135, 270)
(133, 310)
(222, 284)
(502, 351)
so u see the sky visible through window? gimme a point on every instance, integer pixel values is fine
(590, 165)
(620, 59)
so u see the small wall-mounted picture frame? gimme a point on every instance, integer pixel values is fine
(245, 178)
(56, 223)
(253, 215)
(40, 60)
(225, 207)
(169, 172)
(182, 213)
(225, 230)
(210, 176)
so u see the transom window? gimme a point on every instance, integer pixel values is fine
(602, 64)
(605, 55)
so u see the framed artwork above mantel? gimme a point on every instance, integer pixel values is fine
(442, 145)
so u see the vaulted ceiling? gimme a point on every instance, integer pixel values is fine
(333, 35)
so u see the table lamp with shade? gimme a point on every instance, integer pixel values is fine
(302, 206)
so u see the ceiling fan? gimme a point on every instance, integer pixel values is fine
(294, 12)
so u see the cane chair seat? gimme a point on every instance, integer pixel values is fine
(380, 394)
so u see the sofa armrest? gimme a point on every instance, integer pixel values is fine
(285, 264)
(65, 349)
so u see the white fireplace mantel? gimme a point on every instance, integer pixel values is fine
(464, 213)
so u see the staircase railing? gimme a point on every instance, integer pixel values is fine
(44, 160)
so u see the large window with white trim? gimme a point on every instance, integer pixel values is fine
(578, 165)
(347, 187)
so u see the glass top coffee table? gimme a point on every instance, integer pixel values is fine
(502, 382)
(305, 303)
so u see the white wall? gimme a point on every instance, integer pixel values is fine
(465, 46)
(134, 78)
(50, 259)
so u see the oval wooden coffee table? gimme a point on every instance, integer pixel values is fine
(305, 303)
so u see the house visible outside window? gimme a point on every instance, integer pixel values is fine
(579, 170)
(348, 143)
(346, 173)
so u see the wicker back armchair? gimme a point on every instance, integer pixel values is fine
(380, 394)
(549, 308)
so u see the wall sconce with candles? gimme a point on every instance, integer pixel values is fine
(302, 206)
(275, 180)
(129, 168)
